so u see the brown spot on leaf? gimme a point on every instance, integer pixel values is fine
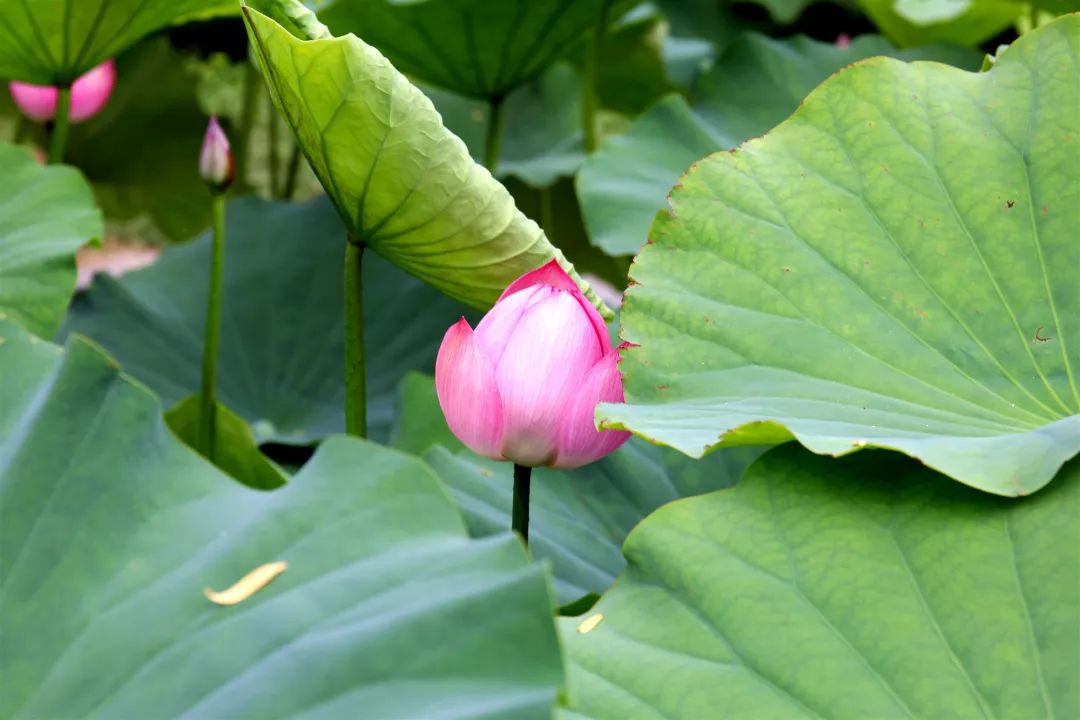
(1010, 203)
(1039, 337)
(663, 388)
(921, 313)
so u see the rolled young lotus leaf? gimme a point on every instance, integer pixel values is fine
(404, 185)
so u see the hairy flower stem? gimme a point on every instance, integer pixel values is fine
(493, 140)
(520, 518)
(61, 124)
(207, 436)
(355, 392)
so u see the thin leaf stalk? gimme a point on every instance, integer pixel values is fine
(355, 379)
(207, 432)
(493, 139)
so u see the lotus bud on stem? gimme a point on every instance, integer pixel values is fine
(525, 384)
(216, 169)
(65, 104)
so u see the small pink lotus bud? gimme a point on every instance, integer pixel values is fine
(89, 93)
(215, 159)
(843, 41)
(525, 384)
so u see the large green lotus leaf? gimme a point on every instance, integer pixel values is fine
(281, 363)
(917, 22)
(53, 41)
(46, 214)
(851, 589)
(579, 517)
(471, 47)
(141, 151)
(404, 185)
(894, 266)
(755, 84)
(111, 529)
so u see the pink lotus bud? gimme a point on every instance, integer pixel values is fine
(89, 93)
(215, 159)
(843, 41)
(524, 386)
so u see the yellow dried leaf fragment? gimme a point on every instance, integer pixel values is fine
(248, 585)
(590, 623)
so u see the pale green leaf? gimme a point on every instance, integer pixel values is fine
(894, 266)
(403, 184)
(852, 589)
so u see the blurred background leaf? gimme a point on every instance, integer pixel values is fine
(281, 363)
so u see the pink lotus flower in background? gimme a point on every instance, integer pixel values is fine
(524, 386)
(215, 158)
(89, 93)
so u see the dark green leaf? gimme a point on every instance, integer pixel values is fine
(282, 348)
(52, 41)
(471, 47)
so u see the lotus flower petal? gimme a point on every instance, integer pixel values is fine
(580, 443)
(468, 392)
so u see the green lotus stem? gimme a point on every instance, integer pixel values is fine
(61, 124)
(547, 213)
(493, 140)
(355, 392)
(288, 188)
(207, 435)
(520, 516)
(589, 100)
(272, 148)
(242, 139)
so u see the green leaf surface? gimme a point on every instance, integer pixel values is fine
(111, 529)
(403, 184)
(236, 451)
(579, 517)
(281, 363)
(852, 589)
(471, 47)
(46, 214)
(894, 266)
(54, 41)
(754, 85)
